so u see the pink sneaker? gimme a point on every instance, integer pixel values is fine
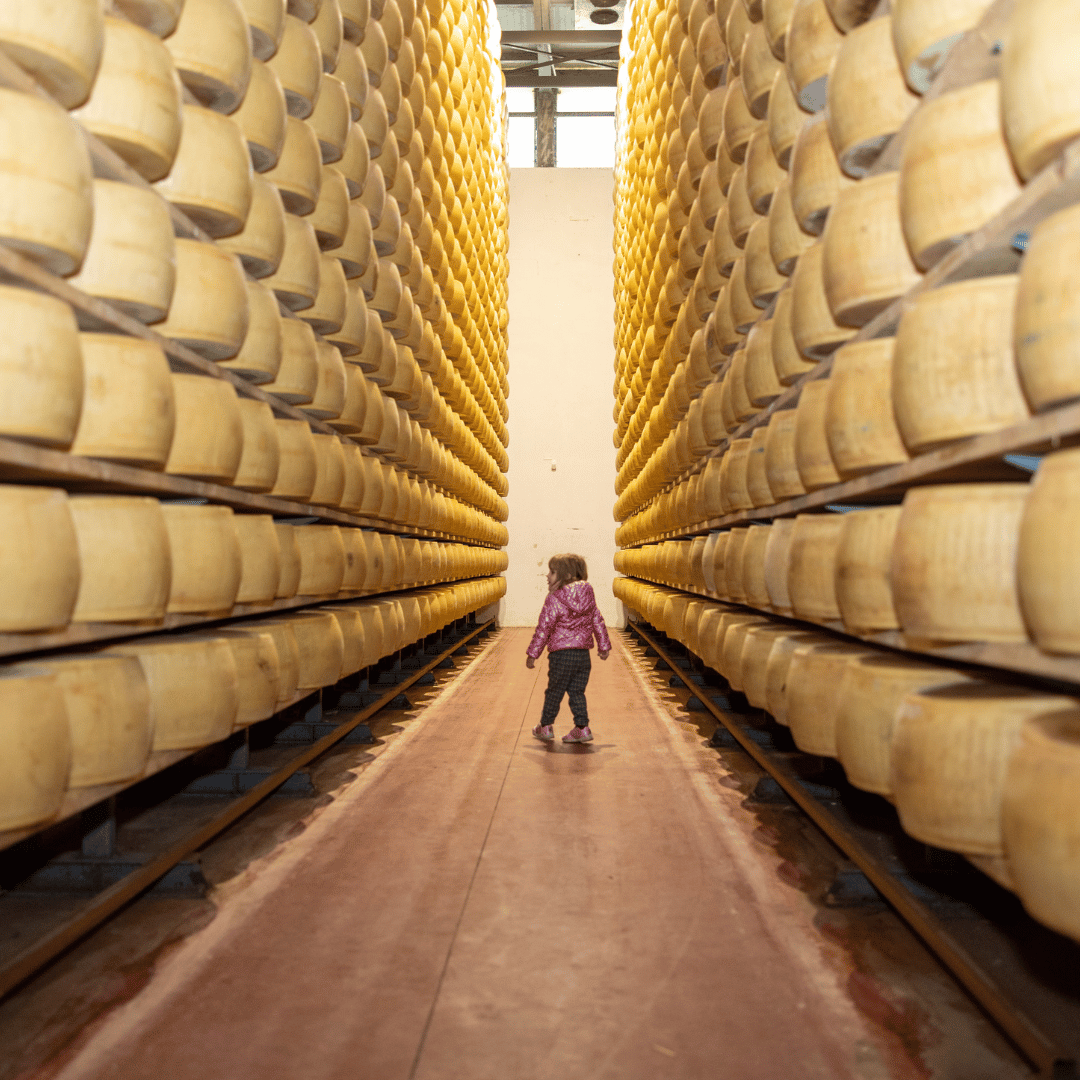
(544, 732)
(578, 735)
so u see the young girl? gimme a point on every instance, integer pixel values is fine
(568, 620)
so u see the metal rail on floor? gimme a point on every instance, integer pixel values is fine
(1041, 1049)
(112, 899)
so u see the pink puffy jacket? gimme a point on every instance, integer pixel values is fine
(568, 620)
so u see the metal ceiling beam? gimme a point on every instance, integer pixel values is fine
(561, 37)
(563, 79)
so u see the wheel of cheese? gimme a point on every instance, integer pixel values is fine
(258, 673)
(355, 561)
(41, 371)
(331, 118)
(815, 329)
(950, 753)
(757, 648)
(266, 24)
(296, 468)
(355, 161)
(777, 667)
(753, 567)
(260, 245)
(859, 422)
(811, 696)
(46, 195)
(261, 455)
(763, 280)
(211, 178)
(352, 495)
(124, 558)
(209, 312)
(330, 218)
(327, 313)
(290, 560)
(393, 624)
(296, 281)
(811, 581)
(357, 249)
(953, 570)
(320, 646)
(208, 438)
(35, 765)
(786, 240)
(259, 358)
(322, 560)
(329, 471)
(329, 397)
(352, 71)
(953, 371)
(351, 418)
(349, 340)
(59, 42)
(351, 626)
(1039, 816)
(784, 120)
(866, 264)
(956, 172)
(1046, 563)
(372, 486)
(211, 47)
(1047, 354)
(158, 16)
(812, 456)
(868, 698)
(194, 694)
(374, 632)
(816, 177)
(110, 724)
(924, 32)
(863, 556)
(128, 410)
(261, 117)
(777, 559)
(758, 68)
(260, 558)
(812, 41)
(1039, 101)
(355, 15)
(206, 562)
(787, 360)
(299, 171)
(135, 107)
(297, 376)
(40, 563)
(867, 98)
(131, 260)
(298, 64)
(285, 647)
(741, 213)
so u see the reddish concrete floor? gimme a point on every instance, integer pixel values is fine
(480, 905)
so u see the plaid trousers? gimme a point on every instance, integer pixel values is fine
(568, 673)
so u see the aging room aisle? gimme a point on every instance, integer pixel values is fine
(481, 905)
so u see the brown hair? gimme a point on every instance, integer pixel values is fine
(567, 568)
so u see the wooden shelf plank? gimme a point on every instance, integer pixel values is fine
(81, 635)
(1023, 658)
(26, 463)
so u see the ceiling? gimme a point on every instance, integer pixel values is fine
(561, 43)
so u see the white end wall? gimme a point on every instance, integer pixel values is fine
(561, 372)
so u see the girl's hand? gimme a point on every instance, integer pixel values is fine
(530, 662)
(603, 655)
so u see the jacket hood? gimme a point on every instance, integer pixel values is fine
(577, 596)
